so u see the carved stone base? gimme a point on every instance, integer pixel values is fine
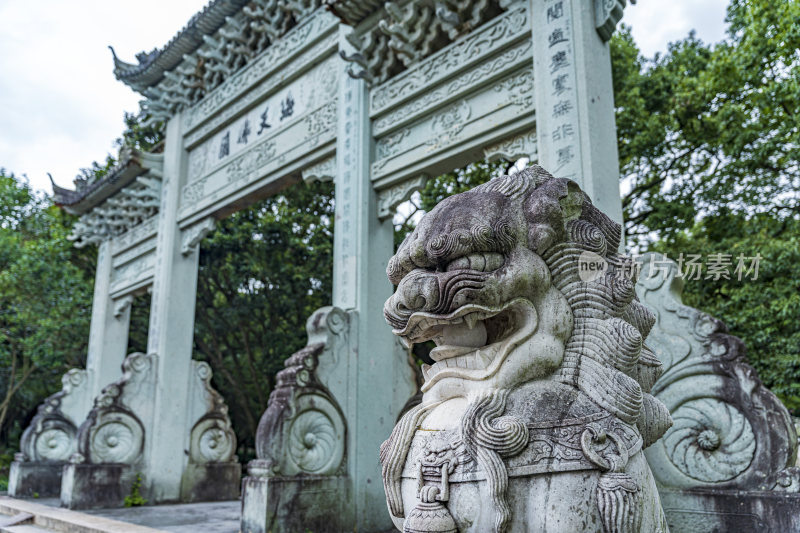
(709, 511)
(32, 479)
(291, 504)
(87, 486)
(211, 482)
(50, 439)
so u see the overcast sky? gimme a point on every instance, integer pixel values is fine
(61, 108)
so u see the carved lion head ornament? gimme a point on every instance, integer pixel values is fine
(523, 340)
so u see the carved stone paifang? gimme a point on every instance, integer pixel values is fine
(537, 408)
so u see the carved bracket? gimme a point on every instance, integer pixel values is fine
(389, 199)
(324, 170)
(607, 14)
(514, 148)
(122, 305)
(196, 233)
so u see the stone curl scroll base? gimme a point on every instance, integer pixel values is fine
(726, 463)
(50, 439)
(298, 482)
(111, 449)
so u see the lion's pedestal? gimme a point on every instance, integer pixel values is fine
(537, 408)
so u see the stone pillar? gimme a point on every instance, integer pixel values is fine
(380, 380)
(108, 334)
(575, 123)
(171, 331)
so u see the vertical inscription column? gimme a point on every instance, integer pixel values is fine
(171, 331)
(575, 100)
(379, 379)
(108, 334)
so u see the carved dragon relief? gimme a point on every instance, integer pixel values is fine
(537, 409)
(730, 431)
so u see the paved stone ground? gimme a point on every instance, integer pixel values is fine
(210, 517)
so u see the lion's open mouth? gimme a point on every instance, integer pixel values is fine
(472, 341)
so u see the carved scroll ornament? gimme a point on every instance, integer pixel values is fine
(730, 431)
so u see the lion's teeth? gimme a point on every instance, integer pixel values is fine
(471, 320)
(482, 359)
(426, 369)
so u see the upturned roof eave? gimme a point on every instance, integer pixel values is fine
(151, 67)
(78, 202)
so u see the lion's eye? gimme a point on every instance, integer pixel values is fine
(483, 262)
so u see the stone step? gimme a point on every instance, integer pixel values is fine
(56, 520)
(15, 519)
(25, 528)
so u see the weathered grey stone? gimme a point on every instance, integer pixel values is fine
(535, 414)
(723, 511)
(730, 431)
(92, 486)
(297, 503)
(298, 480)
(27, 479)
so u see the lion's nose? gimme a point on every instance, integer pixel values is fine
(418, 292)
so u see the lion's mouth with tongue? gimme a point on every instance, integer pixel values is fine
(471, 342)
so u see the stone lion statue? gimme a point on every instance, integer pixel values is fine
(536, 411)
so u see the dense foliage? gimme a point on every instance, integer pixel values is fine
(764, 311)
(708, 141)
(706, 130)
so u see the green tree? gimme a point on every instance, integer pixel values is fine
(708, 143)
(710, 129)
